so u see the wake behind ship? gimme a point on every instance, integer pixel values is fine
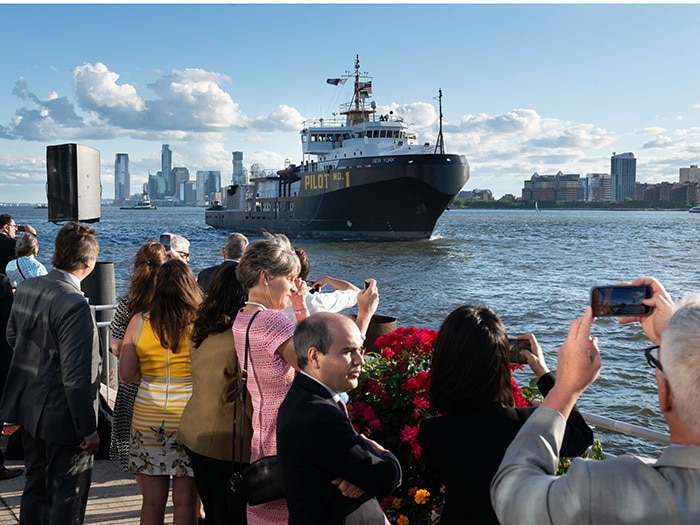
(364, 177)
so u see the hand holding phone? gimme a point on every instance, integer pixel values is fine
(516, 345)
(622, 300)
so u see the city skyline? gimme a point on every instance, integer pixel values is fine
(527, 88)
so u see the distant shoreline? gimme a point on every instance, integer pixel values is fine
(473, 204)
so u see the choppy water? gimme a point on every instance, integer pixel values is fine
(534, 268)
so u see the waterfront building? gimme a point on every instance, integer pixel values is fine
(551, 188)
(691, 174)
(598, 187)
(156, 186)
(178, 176)
(208, 184)
(122, 178)
(623, 175)
(238, 174)
(166, 166)
(187, 194)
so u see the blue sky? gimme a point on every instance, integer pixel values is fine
(526, 87)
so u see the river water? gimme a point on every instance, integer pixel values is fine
(534, 268)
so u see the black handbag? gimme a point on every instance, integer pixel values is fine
(260, 481)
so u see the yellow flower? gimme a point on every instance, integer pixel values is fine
(421, 496)
(396, 503)
(403, 520)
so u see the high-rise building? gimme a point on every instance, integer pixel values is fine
(623, 175)
(178, 176)
(166, 166)
(238, 176)
(208, 184)
(122, 178)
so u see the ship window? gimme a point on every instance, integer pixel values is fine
(382, 133)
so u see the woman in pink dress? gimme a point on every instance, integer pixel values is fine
(268, 272)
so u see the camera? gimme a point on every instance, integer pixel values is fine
(313, 288)
(21, 228)
(516, 345)
(620, 300)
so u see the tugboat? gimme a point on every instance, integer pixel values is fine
(144, 203)
(364, 177)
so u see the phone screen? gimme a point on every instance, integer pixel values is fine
(620, 300)
(165, 241)
(516, 345)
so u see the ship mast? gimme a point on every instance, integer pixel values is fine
(440, 143)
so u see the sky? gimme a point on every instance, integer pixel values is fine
(526, 87)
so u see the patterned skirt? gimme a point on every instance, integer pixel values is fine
(154, 449)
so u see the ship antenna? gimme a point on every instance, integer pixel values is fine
(357, 82)
(440, 143)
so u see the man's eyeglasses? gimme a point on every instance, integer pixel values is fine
(651, 359)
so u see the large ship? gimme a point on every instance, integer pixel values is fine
(364, 177)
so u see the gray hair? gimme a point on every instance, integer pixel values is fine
(680, 358)
(273, 255)
(235, 245)
(28, 244)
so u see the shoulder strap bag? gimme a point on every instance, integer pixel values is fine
(260, 481)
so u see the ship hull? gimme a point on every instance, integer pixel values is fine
(373, 198)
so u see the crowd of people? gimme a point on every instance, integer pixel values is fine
(249, 360)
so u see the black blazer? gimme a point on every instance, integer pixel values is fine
(206, 276)
(465, 450)
(316, 444)
(52, 386)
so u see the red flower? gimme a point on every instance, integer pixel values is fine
(418, 382)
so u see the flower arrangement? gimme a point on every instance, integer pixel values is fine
(388, 405)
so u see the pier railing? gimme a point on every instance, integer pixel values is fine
(110, 378)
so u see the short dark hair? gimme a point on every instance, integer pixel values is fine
(470, 367)
(6, 218)
(75, 244)
(312, 331)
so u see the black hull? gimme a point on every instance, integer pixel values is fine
(397, 200)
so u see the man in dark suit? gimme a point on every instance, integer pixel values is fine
(6, 296)
(232, 251)
(331, 474)
(52, 387)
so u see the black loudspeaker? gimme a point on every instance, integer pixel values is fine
(74, 189)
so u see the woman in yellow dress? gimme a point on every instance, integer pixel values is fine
(155, 354)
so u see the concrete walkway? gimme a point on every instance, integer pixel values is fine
(114, 497)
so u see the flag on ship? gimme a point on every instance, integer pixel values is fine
(336, 81)
(365, 89)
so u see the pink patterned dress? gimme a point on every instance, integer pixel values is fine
(269, 379)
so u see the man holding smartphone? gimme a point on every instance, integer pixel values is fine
(623, 489)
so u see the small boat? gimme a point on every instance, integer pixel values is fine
(41, 206)
(695, 209)
(364, 176)
(144, 203)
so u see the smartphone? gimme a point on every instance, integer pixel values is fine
(312, 288)
(165, 241)
(620, 300)
(516, 345)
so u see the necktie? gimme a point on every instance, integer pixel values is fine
(343, 408)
